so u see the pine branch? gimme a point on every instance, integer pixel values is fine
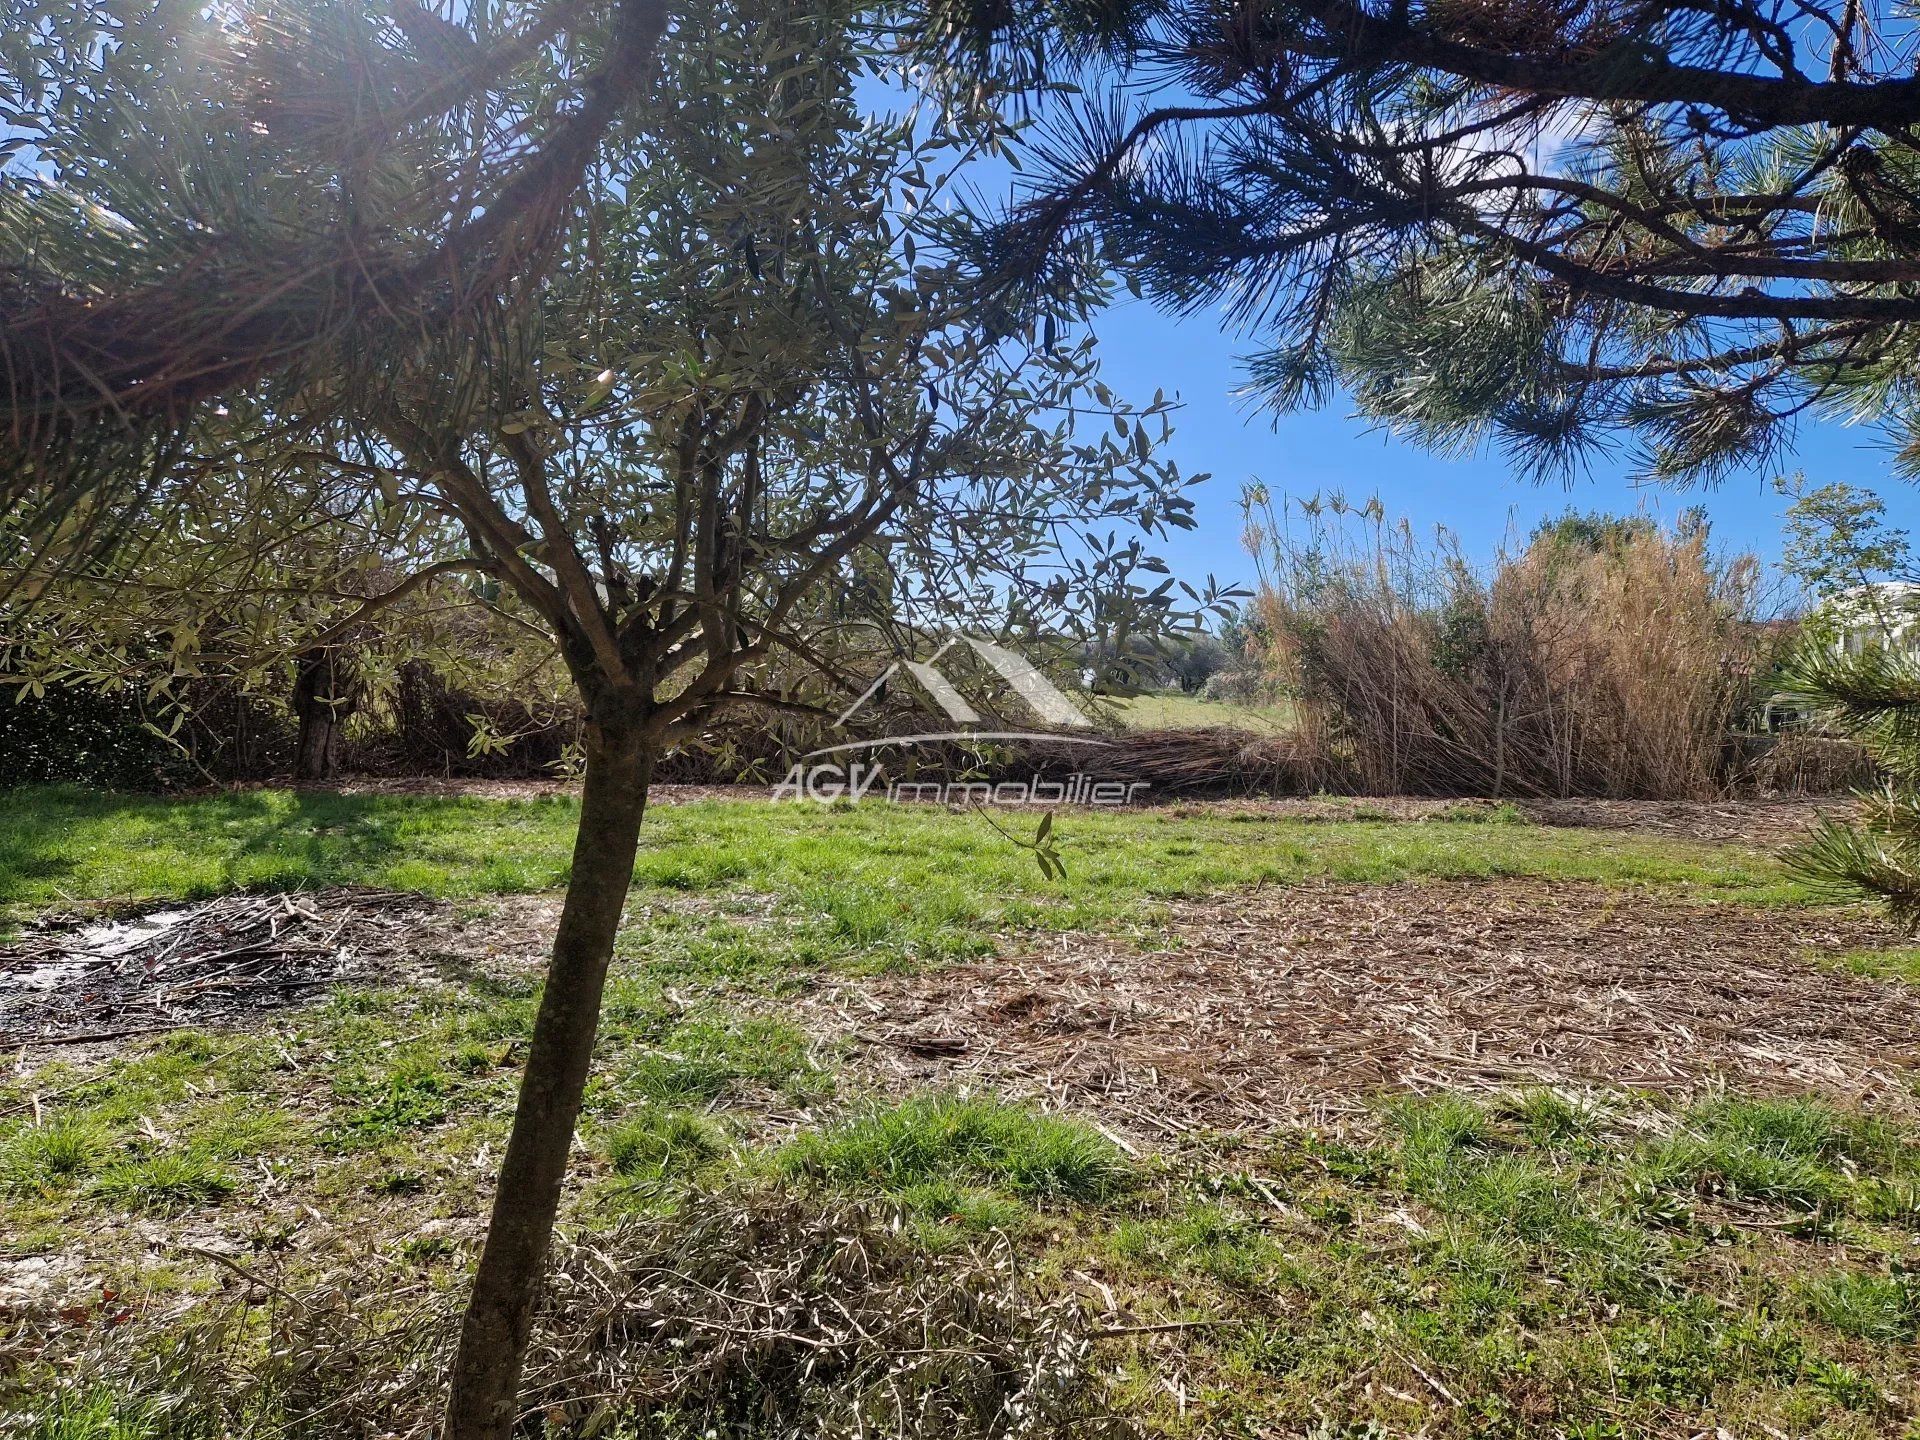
(1848, 863)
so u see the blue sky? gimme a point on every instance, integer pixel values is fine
(1477, 497)
(1143, 349)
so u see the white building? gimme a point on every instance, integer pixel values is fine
(1886, 612)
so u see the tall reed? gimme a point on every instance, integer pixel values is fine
(1598, 657)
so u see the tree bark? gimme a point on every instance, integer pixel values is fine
(322, 696)
(483, 1399)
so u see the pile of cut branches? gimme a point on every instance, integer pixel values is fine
(189, 964)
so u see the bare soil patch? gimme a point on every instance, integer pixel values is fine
(1299, 1002)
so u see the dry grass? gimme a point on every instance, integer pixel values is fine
(1609, 664)
(757, 1313)
(1172, 711)
(1298, 1003)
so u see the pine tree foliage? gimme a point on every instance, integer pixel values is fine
(1539, 225)
(1856, 673)
(1877, 858)
(1873, 697)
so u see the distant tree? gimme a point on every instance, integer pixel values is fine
(1242, 631)
(1837, 538)
(1593, 533)
(1542, 225)
(1839, 545)
(1194, 660)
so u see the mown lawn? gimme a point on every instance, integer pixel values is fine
(874, 868)
(1529, 1264)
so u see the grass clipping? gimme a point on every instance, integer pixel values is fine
(771, 1315)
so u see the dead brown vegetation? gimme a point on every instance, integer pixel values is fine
(768, 1314)
(1605, 658)
(193, 963)
(1300, 1002)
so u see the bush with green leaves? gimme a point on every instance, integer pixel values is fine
(84, 736)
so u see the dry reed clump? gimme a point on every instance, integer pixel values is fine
(1602, 658)
(1217, 760)
(770, 1315)
(1798, 763)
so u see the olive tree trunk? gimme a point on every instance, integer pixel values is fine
(322, 696)
(482, 1402)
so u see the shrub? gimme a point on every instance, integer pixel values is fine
(86, 736)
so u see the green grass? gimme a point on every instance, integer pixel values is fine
(1590, 1265)
(1469, 1271)
(64, 842)
(1897, 964)
(657, 1143)
(169, 1183)
(1550, 1117)
(703, 1055)
(1512, 1250)
(948, 1138)
(1798, 1152)
(96, 1415)
(1883, 1308)
(52, 1156)
(374, 1094)
(918, 879)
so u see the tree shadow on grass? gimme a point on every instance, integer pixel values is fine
(316, 841)
(61, 841)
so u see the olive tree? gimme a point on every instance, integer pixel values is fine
(755, 373)
(747, 373)
(281, 569)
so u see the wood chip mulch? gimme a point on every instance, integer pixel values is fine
(1761, 824)
(1297, 1003)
